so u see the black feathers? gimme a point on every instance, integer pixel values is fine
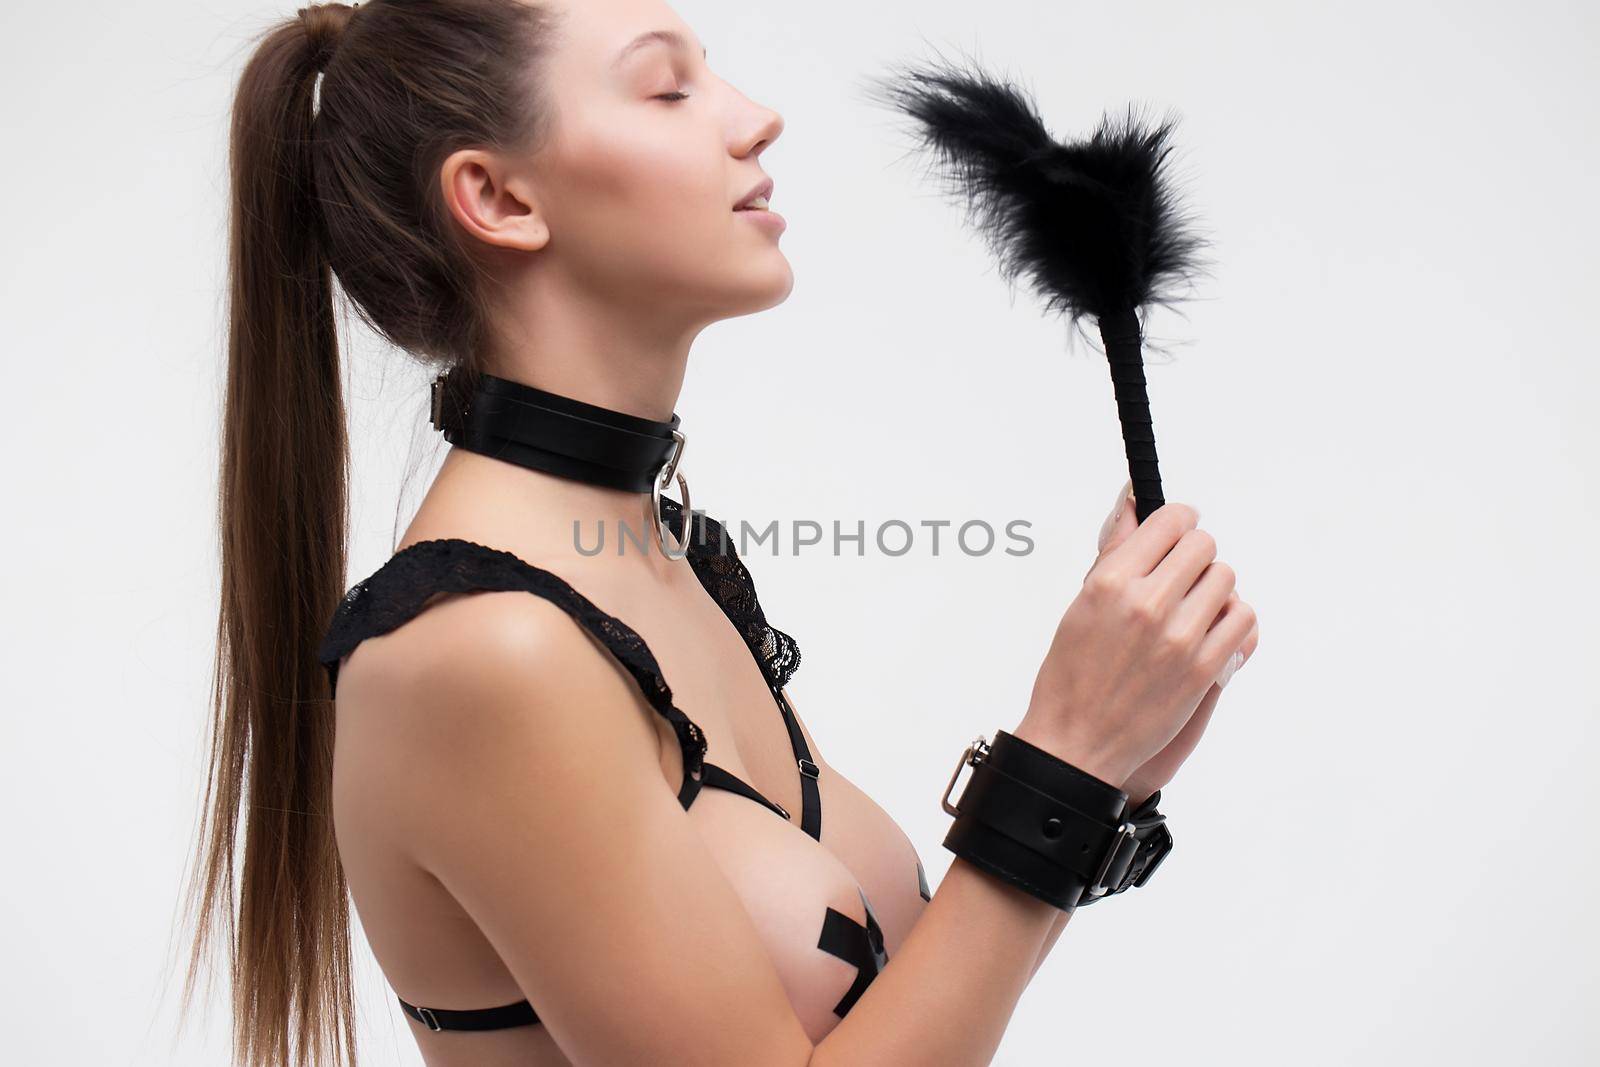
(1093, 223)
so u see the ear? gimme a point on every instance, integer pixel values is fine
(491, 203)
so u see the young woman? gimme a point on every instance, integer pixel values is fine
(569, 794)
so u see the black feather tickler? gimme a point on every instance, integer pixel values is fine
(1093, 223)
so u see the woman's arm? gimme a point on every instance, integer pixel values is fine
(946, 996)
(1050, 939)
(526, 773)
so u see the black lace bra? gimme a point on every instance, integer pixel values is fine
(397, 591)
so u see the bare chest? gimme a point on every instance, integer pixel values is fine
(832, 901)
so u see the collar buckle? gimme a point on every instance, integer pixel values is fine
(436, 407)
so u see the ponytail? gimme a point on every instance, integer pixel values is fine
(282, 501)
(336, 175)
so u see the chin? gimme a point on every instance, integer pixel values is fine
(767, 289)
(785, 283)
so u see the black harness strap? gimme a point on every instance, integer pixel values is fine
(810, 793)
(520, 1013)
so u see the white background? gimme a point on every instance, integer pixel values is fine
(1381, 404)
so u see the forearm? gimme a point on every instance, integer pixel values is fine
(945, 998)
(1135, 798)
(1050, 939)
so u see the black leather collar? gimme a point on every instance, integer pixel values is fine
(549, 432)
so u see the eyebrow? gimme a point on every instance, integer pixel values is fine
(667, 37)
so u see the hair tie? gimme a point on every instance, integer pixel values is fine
(324, 27)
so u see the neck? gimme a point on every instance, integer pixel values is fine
(534, 513)
(619, 355)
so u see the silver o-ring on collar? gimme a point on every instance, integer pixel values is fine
(662, 479)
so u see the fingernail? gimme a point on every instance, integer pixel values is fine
(1235, 661)
(1116, 513)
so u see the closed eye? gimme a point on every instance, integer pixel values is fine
(674, 95)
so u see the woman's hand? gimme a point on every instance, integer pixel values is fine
(1158, 770)
(1138, 648)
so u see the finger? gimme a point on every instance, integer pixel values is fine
(1196, 597)
(1119, 525)
(1231, 668)
(1120, 522)
(1242, 654)
(1143, 550)
(1223, 642)
(1251, 639)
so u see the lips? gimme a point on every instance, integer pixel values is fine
(762, 192)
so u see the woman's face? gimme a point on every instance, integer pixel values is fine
(647, 153)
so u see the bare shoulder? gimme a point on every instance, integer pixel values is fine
(468, 671)
(462, 643)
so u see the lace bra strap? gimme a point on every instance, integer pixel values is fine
(398, 590)
(722, 573)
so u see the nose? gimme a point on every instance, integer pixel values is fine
(765, 130)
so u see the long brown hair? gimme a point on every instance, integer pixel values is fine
(342, 119)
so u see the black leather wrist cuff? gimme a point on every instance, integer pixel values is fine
(1155, 841)
(1047, 827)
